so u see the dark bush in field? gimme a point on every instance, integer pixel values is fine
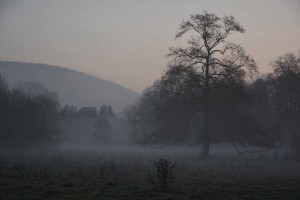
(164, 172)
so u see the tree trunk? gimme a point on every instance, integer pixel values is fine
(206, 133)
(206, 110)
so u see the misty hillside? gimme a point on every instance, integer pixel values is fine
(73, 87)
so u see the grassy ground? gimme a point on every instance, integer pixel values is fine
(109, 176)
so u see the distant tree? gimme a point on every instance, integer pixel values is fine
(102, 127)
(73, 110)
(286, 64)
(102, 130)
(4, 110)
(65, 111)
(88, 123)
(3, 86)
(87, 112)
(107, 111)
(21, 120)
(110, 112)
(47, 108)
(285, 96)
(286, 85)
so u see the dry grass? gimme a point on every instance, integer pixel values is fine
(106, 175)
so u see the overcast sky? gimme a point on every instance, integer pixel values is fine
(126, 41)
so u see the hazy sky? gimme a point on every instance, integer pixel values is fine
(126, 41)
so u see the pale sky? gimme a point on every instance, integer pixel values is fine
(126, 41)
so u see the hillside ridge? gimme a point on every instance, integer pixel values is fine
(73, 87)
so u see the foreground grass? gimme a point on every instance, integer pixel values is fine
(99, 176)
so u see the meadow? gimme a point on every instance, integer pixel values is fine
(130, 173)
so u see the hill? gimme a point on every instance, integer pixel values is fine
(73, 87)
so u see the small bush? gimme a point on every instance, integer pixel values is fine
(164, 172)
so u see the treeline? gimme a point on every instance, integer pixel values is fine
(93, 125)
(29, 116)
(257, 116)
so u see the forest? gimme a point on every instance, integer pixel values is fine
(169, 143)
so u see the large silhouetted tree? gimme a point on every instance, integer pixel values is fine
(208, 63)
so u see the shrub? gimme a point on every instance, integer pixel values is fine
(164, 171)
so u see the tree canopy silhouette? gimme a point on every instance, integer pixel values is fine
(207, 64)
(207, 94)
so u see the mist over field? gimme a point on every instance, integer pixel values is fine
(98, 101)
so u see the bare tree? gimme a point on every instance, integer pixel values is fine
(207, 63)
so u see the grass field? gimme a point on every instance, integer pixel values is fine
(131, 174)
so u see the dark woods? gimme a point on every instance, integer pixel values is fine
(29, 116)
